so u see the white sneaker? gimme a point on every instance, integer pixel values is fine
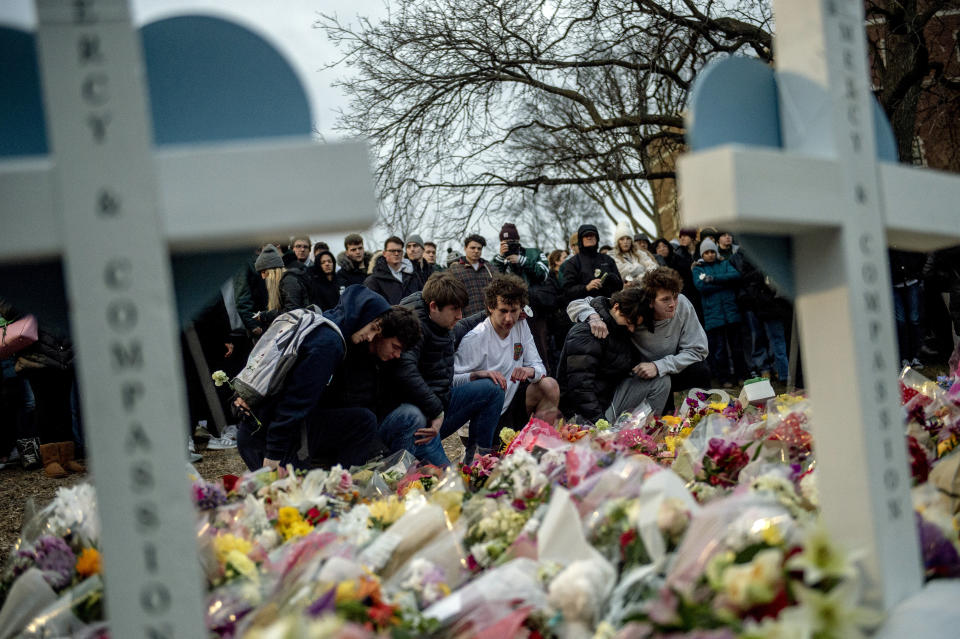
(221, 443)
(229, 432)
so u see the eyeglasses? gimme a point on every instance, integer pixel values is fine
(393, 251)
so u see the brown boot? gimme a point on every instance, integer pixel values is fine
(50, 454)
(67, 460)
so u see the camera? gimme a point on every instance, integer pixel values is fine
(513, 248)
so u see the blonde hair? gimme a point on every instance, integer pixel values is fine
(272, 281)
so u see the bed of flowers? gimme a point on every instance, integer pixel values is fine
(700, 524)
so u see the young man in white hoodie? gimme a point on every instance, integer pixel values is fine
(678, 344)
(501, 348)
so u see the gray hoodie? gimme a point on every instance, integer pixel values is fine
(674, 344)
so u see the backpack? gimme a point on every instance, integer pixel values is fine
(276, 353)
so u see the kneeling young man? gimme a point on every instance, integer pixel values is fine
(501, 348)
(426, 406)
(296, 422)
(595, 374)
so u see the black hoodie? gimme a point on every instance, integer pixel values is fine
(587, 265)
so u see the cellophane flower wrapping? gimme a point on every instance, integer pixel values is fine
(700, 524)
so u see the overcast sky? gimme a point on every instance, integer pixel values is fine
(288, 25)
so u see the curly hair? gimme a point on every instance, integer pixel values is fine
(401, 322)
(662, 278)
(479, 239)
(507, 288)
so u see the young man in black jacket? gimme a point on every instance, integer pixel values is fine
(593, 371)
(427, 407)
(389, 277)
(589, 272)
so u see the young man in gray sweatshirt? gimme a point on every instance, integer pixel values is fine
(677, 346)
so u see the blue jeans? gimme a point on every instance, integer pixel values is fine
(906, 310)
(776, 337)
(478, 402)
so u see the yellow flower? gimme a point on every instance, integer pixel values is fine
(671, 420)
(227, 543)
(451, 501)
(717, 406)
(756, 582)
(88, 563)
(290, 524)
(386, 511)
(507, 435)
(242, 565)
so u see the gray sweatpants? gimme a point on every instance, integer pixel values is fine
(633, 391)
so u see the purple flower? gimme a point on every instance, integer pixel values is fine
(208, 496)
(324, 604)
(940, 558)
(52, 556)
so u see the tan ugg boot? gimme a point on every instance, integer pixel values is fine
(50, 454)
(66, 458)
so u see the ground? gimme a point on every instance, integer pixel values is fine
(29, 490)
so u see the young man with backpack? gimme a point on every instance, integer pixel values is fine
(281, 391)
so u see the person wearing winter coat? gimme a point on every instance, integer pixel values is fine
(676, 348)
(273, 434)
(589, 273)
(427, 408)
(415, 261)
(717, 282)
(594, 373)
(294, 287)
(530, 264)
(325, 283)
(250, 296)
(388, 277)
(632, 260)
(473, 271)
(353, 263)
(772, 311)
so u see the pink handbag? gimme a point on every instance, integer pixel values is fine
(16, 336)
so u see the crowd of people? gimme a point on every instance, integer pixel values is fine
(396, 351)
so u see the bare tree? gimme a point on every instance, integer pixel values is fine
(475, 105)
(449, 90)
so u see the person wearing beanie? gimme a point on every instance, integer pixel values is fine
(530, 264)
(589, 273)
(717, 282)
(632, 260)
(725, 246)
(415, 262)
(298, 412)
(269, 258)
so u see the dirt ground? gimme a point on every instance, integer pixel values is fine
(29, 490)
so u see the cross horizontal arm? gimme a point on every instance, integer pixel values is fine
(772, 192)
(216, 196)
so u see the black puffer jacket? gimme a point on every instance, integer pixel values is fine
(591, 369)
(382, 281)
(294, 288)
(757, 294)
(422, 376)
(587, 265)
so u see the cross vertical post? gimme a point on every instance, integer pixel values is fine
(119, 290)
(822, 184)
